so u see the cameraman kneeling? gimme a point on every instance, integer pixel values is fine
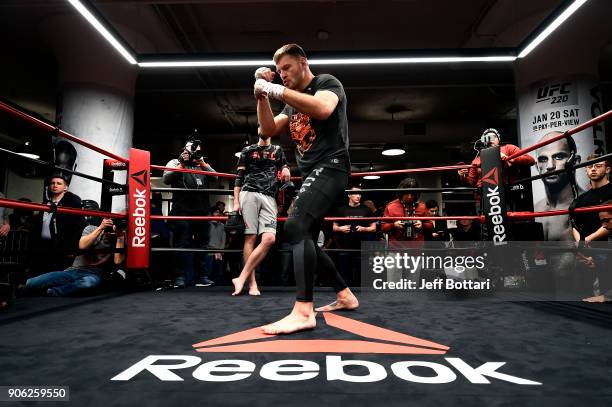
(88, 270)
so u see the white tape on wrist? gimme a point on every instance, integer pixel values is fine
(271, 90)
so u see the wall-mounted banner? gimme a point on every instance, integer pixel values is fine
(546, 109)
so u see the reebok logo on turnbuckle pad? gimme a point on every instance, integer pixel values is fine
(491, 177)
(140, 177)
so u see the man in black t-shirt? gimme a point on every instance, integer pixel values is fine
(439, 230)
(350, 234)
(255, 193)
(315, 117)
(467, 230)
(605, 278)
(586, 226)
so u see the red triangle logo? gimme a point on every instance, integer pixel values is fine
(140, 177)
(254, 340)
(491, 177)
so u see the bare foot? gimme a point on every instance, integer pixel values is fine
(238, 286)
(254, 291)
(350, 304)
(345, 300)
(598, 298)
(293, 322)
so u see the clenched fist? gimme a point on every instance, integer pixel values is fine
(265, 73)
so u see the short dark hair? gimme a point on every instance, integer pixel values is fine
(293, 50)
(58, 174)
(596, 155)
(408, 182)
(432, 203)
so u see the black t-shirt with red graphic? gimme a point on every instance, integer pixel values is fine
(261, 165)
(321, 143)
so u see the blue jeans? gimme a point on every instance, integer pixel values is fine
(188, 234)
(63, 283)
(214, 267)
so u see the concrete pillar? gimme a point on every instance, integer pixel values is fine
(97, 98)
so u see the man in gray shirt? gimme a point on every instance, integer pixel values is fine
(88, 270)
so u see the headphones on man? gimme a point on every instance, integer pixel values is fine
(486, 138)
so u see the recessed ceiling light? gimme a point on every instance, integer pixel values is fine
(393, 149)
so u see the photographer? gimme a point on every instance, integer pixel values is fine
(406, 205)
(350, 234)
(88, 270)
(189, 233)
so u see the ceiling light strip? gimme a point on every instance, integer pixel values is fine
(316, 61)
(551, 27)
(129, 56)
(103, 30)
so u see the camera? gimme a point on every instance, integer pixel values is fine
(353, 228)
(409, 229)
(194, 153)
(120, 226)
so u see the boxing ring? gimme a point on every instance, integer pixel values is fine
(203, 346)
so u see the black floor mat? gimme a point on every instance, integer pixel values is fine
(83, 343)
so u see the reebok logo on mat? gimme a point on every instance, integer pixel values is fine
(254, 340)
(379, 341)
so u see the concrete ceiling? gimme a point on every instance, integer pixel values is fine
(434, 109)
